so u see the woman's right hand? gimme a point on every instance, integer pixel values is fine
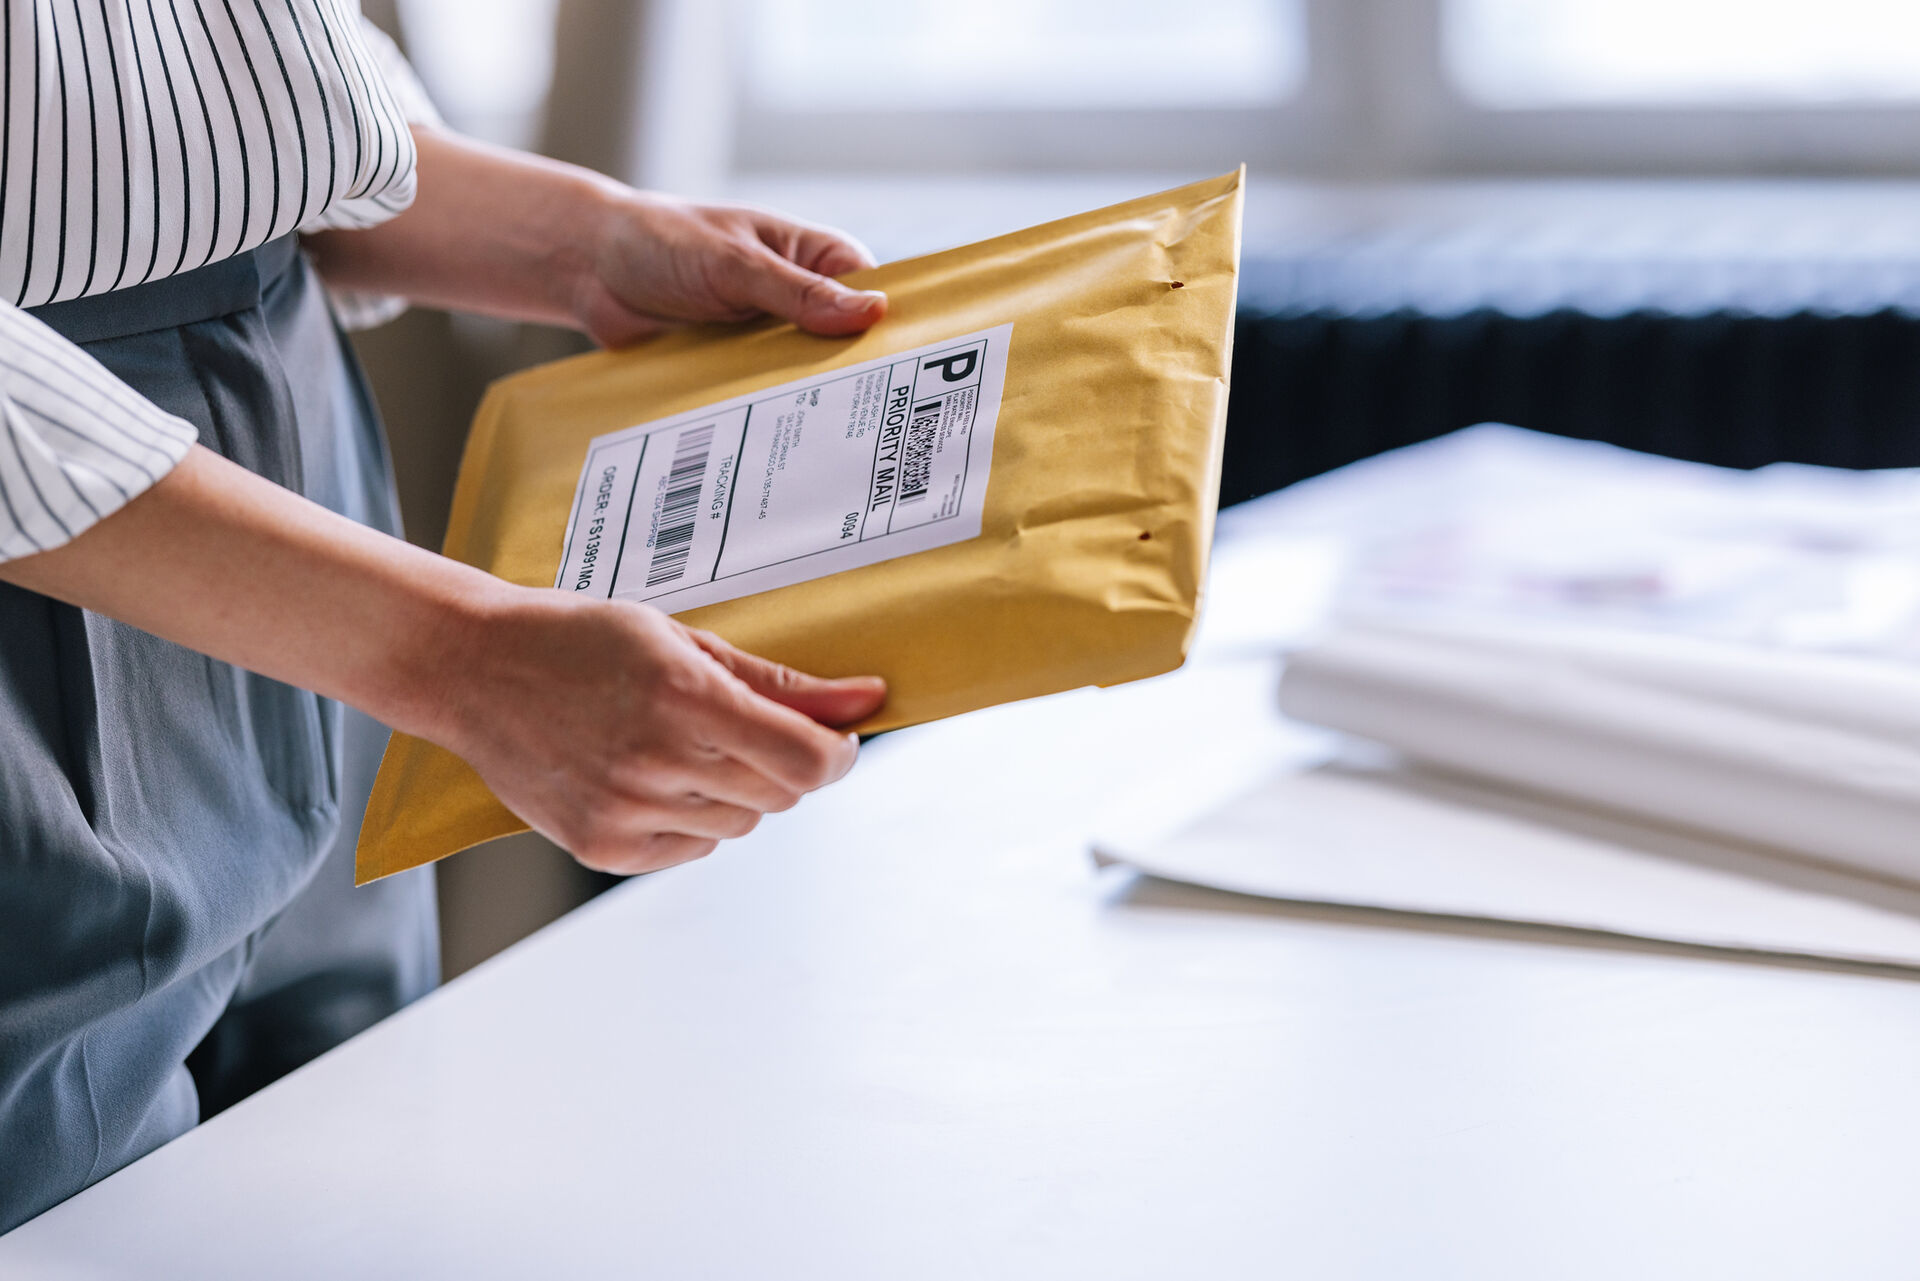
(634, 742)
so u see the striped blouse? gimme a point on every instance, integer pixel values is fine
(143, 138)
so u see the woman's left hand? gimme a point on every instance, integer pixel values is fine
(510, 234)
(660, 261)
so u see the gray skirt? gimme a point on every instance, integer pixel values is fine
(178, 924)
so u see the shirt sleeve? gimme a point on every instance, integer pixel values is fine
(354, 309)
(76, 443)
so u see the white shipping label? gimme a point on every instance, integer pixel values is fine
(851, 467)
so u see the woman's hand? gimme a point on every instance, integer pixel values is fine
(659, 261)
(634, 742)
(630, 740)
(517, 235)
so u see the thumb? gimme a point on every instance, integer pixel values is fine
(830, 702)
(818, 304)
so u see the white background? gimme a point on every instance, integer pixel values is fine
(1383, 88)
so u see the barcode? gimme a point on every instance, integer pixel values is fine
(916, 460)
(674, 543)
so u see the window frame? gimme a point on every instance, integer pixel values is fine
(1376, 104)
(1452, 134)
(1295, 132)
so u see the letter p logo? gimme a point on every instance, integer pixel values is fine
(956, 368)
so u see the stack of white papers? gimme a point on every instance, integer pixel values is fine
(1804, 753)
(1502, 524)
(1620, 694)
(1406, 841)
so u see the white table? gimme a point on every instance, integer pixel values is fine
(906, 1031)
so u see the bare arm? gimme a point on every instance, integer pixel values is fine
(511, 234)
(631, 741)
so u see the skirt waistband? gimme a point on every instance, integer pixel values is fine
(206, 293)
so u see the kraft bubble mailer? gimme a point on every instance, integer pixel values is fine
(1004, 489)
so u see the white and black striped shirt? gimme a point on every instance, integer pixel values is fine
(143, 138)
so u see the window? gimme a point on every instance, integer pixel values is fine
(1528, 54)
(1373, 89)
(1665, 86)
(997, 55)
(930, 85)
(487, 63)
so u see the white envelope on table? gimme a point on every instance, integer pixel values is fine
(1405, 840)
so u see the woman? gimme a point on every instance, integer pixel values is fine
(199, 567)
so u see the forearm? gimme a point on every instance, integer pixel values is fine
(219, 560)
(515, 235)
(494, 231)
(631, 741)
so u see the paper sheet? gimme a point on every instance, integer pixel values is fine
(848, 468)
(1810, 754)
(1399, 839)
(1500, 523)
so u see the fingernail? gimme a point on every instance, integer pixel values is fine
(852, 302)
